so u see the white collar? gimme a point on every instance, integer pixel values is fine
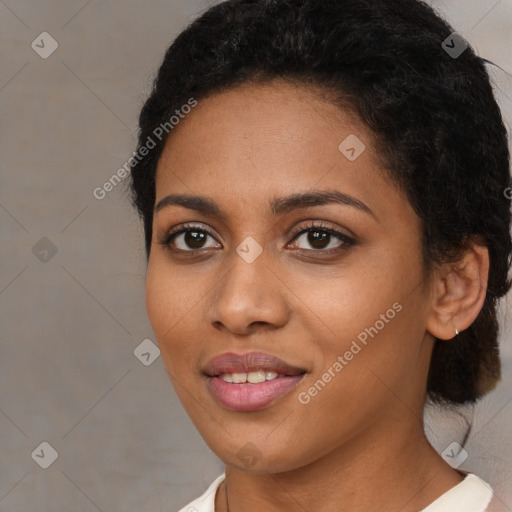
(471, 495)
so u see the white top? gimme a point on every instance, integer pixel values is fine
(471, 495)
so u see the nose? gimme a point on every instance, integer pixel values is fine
(250, 296)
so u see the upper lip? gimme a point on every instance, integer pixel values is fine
(249, 362)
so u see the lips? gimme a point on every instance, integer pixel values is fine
(250, 362)
(241, 396)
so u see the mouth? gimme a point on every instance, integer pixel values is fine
(254, 377)
(251, 381)
(250, 366)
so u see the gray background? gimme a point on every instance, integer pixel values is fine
(70, 321)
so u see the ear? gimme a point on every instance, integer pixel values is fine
(459, 291)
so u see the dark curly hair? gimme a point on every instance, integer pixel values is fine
(436, 123)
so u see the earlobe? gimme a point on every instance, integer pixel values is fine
(459, 293)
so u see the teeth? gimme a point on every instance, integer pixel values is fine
(251, 377)
(256, 377)
(238, 378)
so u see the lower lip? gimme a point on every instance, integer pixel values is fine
(251, 397)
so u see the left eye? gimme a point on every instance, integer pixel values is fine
(323, 239)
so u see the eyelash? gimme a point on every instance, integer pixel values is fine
(310, 227)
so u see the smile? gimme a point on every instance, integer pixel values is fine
(246, 396)
(251, 377)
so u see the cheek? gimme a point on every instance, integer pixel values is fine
(167, 300)
(376, 360)
(158, 299)
(171, 314)
(350, 299)
(370, 317)
(170, 307)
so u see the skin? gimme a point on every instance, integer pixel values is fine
(358, 444)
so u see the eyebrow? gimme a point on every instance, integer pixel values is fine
(279, 206)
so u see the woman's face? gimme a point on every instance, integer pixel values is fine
(259, 275)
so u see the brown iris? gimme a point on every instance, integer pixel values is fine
(317, 239)
(195, 239)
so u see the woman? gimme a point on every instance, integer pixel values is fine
(322, 186)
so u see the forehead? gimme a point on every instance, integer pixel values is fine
(256, 142)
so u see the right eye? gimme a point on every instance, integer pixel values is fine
(187, 238)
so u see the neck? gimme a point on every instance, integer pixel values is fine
(403, 473)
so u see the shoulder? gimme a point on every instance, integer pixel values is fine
(205, 502)
(471, 495)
